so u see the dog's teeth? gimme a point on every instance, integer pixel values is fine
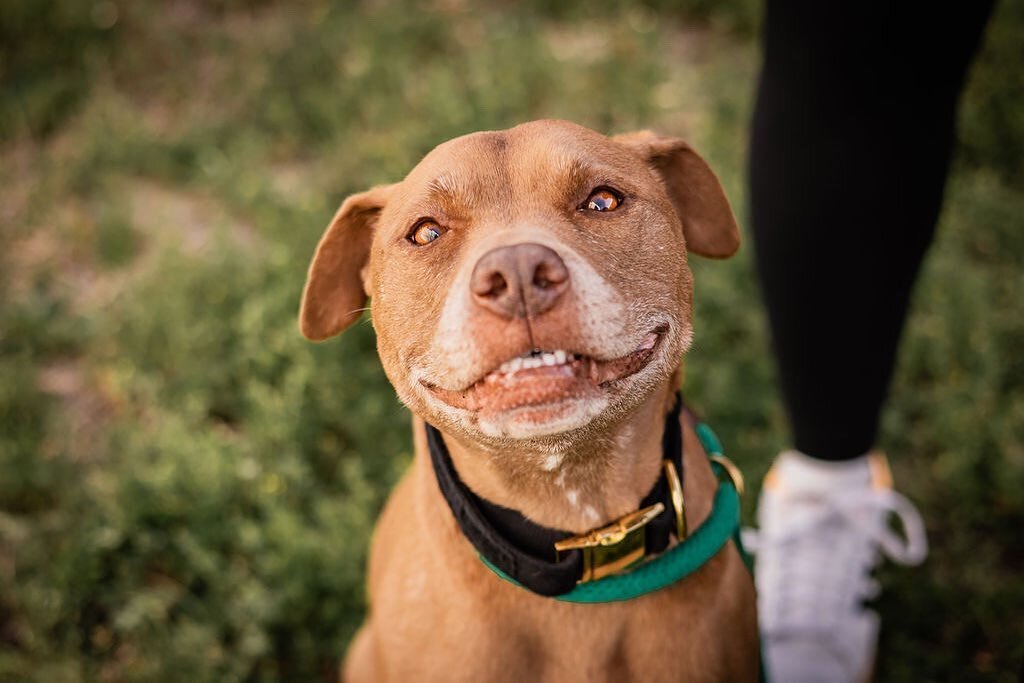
(536, 359)
(511, 366)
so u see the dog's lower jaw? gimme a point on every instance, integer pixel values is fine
(548, 425)
(548, 419)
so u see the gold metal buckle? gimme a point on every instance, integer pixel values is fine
(731, 471)
(675, 489)
(612, 548)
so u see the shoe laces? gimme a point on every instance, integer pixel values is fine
(820, 562)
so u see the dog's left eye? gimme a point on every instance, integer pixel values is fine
(602, 199)
(425, 232)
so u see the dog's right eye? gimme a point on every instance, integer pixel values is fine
(425, 232)
(602, 199)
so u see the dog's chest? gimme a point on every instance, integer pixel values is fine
(655, 640)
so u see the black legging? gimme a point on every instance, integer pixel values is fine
(850, 147)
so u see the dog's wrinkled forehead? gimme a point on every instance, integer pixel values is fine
(505, 172)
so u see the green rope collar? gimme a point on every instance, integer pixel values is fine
(679, 561)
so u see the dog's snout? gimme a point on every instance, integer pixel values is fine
(522, 280)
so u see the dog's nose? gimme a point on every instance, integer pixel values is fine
(522, 280)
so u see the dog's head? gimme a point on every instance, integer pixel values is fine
(528, 284)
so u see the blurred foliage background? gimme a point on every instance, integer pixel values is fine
(187, 487)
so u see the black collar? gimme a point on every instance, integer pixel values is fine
(524, 550)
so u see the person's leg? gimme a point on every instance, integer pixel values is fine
(850, 147)
(851, 143)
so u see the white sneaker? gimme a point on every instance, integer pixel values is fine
(822, 527)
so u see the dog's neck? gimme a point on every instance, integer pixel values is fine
(583, 486)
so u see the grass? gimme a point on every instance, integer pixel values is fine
(188, 487)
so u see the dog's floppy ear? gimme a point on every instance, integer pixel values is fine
(334, 295)
(708, 223)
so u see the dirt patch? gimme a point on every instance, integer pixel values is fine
(165, 215)
(87, 405)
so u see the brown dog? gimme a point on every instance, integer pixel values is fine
(547, 237)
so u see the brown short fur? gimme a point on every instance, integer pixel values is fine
(575, 461)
